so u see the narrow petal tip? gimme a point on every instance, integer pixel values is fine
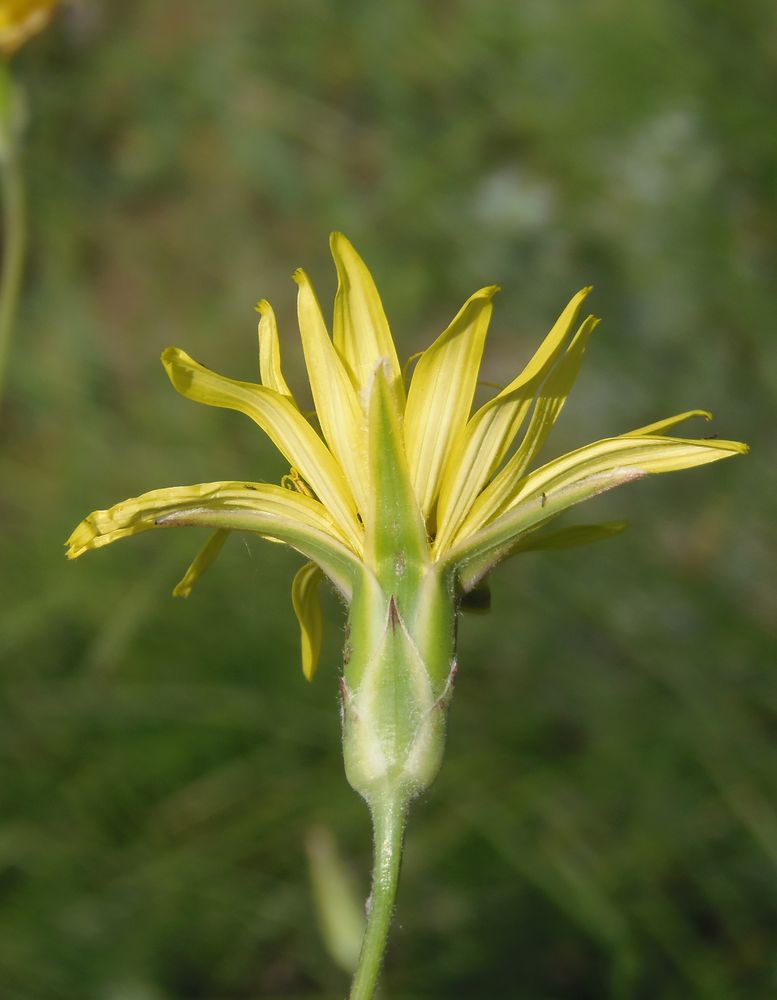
(716, 444)
(83, 537)
(171, 358)
(336, 238)
(178, 366)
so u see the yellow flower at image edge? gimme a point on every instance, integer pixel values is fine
(21, 19)
(394, 476)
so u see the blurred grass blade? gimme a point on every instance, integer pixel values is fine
(338, 905)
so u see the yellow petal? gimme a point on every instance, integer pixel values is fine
(665, 425)
(202, 562)
(268, 510)
(441, 393)
(283, 424)
(575, 477)
(639, 455)
(337, 405)
(360, 331)
(270, 351)
(306, 598)
(492, 429)
(549, 403)
(142, 513)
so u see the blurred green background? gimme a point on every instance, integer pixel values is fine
(605, 824)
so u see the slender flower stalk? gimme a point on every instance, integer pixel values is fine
(14, 224)
(388, 832)
(19, 21)
(404, 499)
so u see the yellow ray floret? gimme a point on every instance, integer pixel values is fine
(441, 393)
(337, 404)
(492, 430)
(289, 431)
(270, 372)
(360, 330)
(306, 600)
(396, 485)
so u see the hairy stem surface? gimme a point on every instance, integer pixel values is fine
(388, 818)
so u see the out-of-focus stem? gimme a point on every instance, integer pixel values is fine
(14, 245)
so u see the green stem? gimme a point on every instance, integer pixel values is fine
(14, 248)
(388, 819)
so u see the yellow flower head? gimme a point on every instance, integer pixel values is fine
(394, 474)
(21, 19)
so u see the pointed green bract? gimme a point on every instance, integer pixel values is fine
(397, 680)
(395, 533)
